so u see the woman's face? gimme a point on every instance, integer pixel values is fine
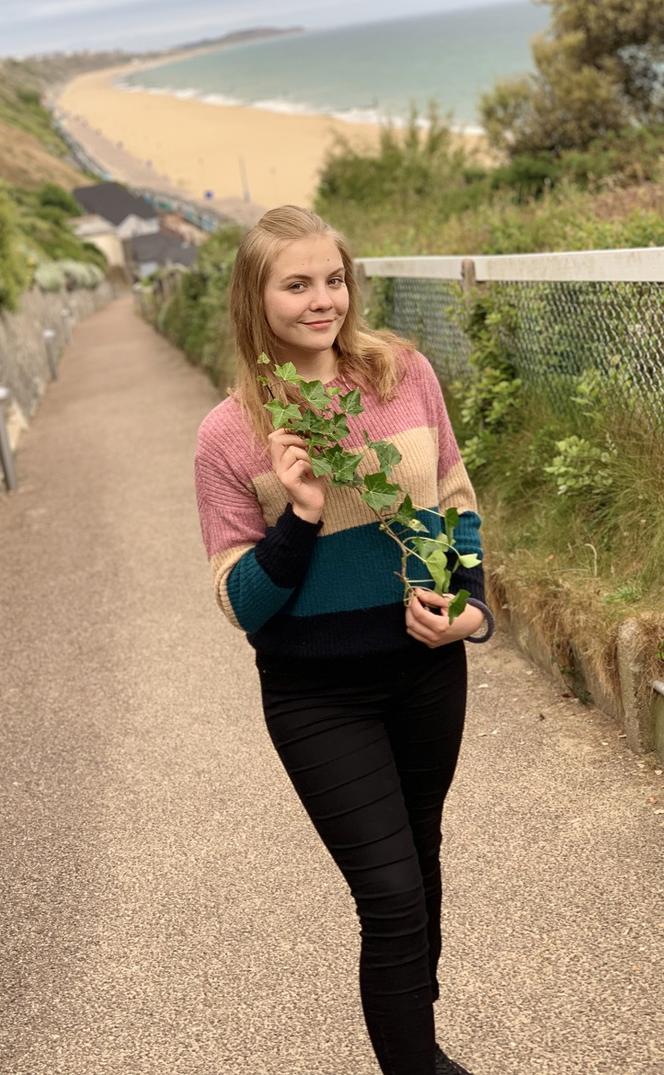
(305, 298)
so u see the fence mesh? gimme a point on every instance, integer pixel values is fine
(561, 330)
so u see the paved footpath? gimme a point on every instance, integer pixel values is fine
(166, 907)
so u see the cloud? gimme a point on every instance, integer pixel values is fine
(46, 9)
(54, 10)
(35, 26)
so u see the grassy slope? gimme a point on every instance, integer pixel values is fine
(31, 151)
(25, 161)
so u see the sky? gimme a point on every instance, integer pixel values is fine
(29, 27)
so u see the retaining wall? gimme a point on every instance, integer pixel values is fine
(24, 352)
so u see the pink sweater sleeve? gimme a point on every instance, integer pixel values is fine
(255, 568)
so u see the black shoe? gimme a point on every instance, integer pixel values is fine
(445, 1066)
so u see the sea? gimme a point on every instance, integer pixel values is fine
(365, 73)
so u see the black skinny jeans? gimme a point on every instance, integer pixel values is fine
(370, 746)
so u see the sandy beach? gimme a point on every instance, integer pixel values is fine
(199, 146)
(252, 159)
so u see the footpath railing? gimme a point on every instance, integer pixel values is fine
(591, 309)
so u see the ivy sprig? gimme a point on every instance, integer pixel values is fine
(322, 427)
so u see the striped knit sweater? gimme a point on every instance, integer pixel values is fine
(328, 589)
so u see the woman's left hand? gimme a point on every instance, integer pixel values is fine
(434, 628)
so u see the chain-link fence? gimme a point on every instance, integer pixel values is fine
(559, 329)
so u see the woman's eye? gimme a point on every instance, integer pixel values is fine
(298, 283)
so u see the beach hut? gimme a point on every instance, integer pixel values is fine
(129, 214)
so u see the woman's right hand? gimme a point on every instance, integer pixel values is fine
(293, 469)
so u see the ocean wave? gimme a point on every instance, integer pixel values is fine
(221, 99)
(283, 106)
(289, 108)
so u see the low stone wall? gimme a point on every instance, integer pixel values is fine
(24, 355)
(636, 702)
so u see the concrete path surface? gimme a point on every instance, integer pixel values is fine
(166, 907)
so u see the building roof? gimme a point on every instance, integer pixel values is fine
(113, 202)
(162, 247)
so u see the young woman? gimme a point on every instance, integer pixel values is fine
(364, 698)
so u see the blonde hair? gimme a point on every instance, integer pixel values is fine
(365, 356)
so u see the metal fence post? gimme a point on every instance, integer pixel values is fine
(66, 314)
(49, 336)
(6, 457)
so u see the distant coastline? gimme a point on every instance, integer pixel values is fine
(145, 61)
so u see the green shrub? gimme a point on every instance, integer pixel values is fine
(50, 195)
(580, 467)
(56, 275)
(491, 399)
(196, 317)
(50, 276)
(528, 175)
(14, 273)
(393, 199)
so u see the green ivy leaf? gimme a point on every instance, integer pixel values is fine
(337, 427)
(457, 606)
(305, 423)
(312, 423)
(314, 393)
(351, 402)
(379, 492)
(262, 359)
(425, 546)
(281, 413)
(345, 464)
(262, 380)
(331, 392)
(405, 516)
(451, 522)
(320, 465)
(288, 373)
(437, 567)
(388, 455)
(470, 560)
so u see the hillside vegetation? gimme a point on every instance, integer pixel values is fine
(36, 180)
(25, 161)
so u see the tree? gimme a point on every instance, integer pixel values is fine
(600, 69)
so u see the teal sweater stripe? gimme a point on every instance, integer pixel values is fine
(369, 580)
(253, 594)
